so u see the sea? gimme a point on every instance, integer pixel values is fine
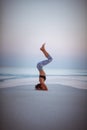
(16, 76)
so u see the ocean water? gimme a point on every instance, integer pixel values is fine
(11, 77)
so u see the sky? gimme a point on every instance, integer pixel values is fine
(26, 24)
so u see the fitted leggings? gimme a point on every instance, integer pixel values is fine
(44, 62)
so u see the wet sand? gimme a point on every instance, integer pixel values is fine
(59, 108)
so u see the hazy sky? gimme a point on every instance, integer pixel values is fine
(26, 24)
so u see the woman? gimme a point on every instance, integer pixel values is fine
(42, 75)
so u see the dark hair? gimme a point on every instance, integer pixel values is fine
(38, 86)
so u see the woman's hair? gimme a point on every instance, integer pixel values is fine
(38, 86)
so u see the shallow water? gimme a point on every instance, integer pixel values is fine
(10, 77)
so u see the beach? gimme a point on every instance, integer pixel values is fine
(60, 108)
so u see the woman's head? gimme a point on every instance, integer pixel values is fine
(41, 87)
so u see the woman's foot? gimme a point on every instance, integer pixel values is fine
(43, 47)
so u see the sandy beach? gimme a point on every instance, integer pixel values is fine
(59, 108)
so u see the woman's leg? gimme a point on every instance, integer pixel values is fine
(44, 50)
(44, 62)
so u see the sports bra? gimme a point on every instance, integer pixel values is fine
(42, 76)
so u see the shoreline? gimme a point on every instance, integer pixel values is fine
(74, 82)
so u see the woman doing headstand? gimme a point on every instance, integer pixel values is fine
(42, 75)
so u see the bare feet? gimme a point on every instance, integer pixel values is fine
(43, 47)
(44, 50)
